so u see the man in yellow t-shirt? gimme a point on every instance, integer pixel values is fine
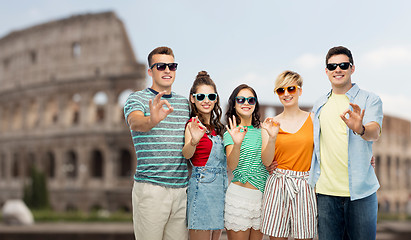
(347, 121)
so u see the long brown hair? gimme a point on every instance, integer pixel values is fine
(255, 121)
(203, 78)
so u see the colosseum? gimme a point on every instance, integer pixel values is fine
(62, 89)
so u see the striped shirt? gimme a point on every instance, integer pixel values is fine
(250, 167)
(159, 151)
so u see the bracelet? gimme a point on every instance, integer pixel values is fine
(361, 133)
(191, 143)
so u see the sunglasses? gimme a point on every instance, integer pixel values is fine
(162, 66)
(201, 96)
(291, 90)
(343, 66)
(250, 100)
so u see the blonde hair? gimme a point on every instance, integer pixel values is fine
(286, 78)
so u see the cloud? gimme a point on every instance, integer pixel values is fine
(309, 61)
(388, 55)
(397, 105)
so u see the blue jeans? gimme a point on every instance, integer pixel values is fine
(341, 218)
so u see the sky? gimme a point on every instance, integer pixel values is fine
(252, 42)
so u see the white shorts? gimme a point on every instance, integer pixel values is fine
(159, 212)
(242, 208)
(289, 206)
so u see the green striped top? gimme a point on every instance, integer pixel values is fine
(250, 167)
(159, 151)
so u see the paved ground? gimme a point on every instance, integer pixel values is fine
(76, 231)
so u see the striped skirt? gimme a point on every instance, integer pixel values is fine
(289, 206)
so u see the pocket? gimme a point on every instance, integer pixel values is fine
(207, 177)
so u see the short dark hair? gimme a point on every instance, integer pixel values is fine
(337, 51)
(159, 50)
(255, 121)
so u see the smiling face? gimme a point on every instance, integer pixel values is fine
(340, 79)
(162, 80)
(205, 106)
(245, 110)
(290, 99)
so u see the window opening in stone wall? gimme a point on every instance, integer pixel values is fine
(51, 112)
(70, 167)
(32, 116)
(122, 98)
(75, 108)
(17, 123)
(389, 171)
(2, 165)
(97, 164)
(15, 165)
(6, 63)
(76, 49)
(125, 164)
(33, 57)
(100, 100)
(30, 161)
(50, 165)
(377, 165)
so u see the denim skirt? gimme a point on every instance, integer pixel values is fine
(206, 191)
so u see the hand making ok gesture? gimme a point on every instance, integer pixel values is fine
(271, 126)
(197, 130)
(157, 110)
(354, 121)
(237, 132)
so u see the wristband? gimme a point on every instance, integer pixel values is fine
(361, 133)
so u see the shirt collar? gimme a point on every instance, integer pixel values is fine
(164, 96)
(350, 93)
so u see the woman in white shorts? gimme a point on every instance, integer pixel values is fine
(289, 205)
(242, 141)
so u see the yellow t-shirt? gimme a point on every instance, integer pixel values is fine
(334, 148)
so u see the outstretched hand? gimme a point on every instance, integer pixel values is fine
(197, 130)
(237, 132)
(157, 110)
(354, 121)
(271, 126)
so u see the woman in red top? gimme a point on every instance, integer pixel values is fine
(204, 147)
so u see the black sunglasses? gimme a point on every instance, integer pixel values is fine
(343, 66)
(201, 96)
(162, 66)
(290, 89)
(250, 100)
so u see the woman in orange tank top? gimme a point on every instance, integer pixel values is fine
(289, 204)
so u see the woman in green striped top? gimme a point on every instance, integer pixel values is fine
(242, 142)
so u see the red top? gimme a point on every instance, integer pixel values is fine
(203, 149)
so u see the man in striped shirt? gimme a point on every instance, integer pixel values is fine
(157, 117)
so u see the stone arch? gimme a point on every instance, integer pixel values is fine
(4, 119)
(98, 107)
(121, 101)
(73, 109)
(71, 164)
(126, 160)
(51, 113)
(2, 165)
(15, 165)
(29, 163)
(50, 165)
(17, 117)
(97, 164)
(32, 114)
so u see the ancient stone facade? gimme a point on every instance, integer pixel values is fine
(392, 154)
(62, 90)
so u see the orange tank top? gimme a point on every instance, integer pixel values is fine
(293, 151)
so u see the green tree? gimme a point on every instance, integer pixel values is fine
(36, 192)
